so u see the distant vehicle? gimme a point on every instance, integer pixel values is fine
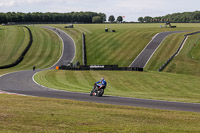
(168, 23)
(69, 26)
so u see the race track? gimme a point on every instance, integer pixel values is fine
(143, 58)
(21, 83)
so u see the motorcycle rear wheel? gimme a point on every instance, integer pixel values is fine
(100, 92)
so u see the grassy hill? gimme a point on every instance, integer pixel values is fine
(165, 51)
(130, 38)
(121, 47)
(13, 40)
(148, 85)
(33, 114)
(187, 61)
(44, 52)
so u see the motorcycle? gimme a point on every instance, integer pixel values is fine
(97, 91)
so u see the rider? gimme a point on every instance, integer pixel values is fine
(101, 84)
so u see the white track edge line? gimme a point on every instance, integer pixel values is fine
(156, 50)
(144, 48)
(33, 78)
(182, 46)
(112, 95)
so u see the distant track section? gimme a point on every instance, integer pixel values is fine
(143, 58)
(69, 50)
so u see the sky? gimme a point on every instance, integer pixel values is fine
(131, 9)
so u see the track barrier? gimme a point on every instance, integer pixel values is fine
(100, 67)
(84, 49)
(178, 50)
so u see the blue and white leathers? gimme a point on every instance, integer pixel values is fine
(101, 82)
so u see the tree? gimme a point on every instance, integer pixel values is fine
(148, 19)
(103, 16)
(141, 19)
(111, 18)
(80, 17)
(97, 19)
(120, 19)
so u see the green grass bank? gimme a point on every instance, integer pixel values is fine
(13, 41)
(121, 47)
(38, 115)
(148, 85)
(44, 52)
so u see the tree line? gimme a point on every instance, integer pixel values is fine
(111, 19)
(79, 17)
(185, 17)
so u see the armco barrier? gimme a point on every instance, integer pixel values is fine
(178, 50)
(101, 67)
(21, 57)
(84, 49)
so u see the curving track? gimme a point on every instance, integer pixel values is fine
(22, 83)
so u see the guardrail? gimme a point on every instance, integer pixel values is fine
(21, 57)
(84, 49)
(178, 50)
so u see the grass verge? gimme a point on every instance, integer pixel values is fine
(188, 60)
(148, 85)
(30, 114)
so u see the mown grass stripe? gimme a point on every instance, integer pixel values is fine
(165, 51)
(150, 85)
(45, 45)
(57, 115)
(15, 49)
(13, 42)
(45, 50)
(35, 51)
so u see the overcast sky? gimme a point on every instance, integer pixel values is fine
(131, 9)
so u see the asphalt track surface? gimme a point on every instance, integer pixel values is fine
(21, 83)
(143, 58)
